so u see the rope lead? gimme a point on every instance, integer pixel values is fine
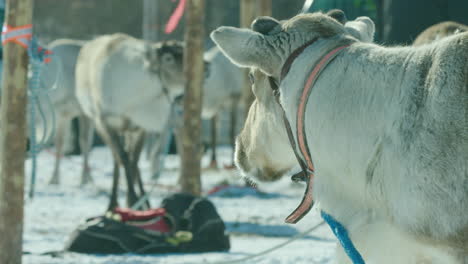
(342, 234)
(22, 35)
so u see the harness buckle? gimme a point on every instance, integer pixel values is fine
(300, 177)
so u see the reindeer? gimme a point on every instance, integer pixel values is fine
(221, 90)
(386, 128)
(439, 31)
(126, 86)
(58, 77)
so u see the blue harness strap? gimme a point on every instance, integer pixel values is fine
(38, 56)
(340, 232)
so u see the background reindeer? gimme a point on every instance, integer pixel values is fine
(126, 86)
(221, 91)
(58, 80)
(439, 31)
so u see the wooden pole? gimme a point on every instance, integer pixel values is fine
(248, 12)
(151, 20)
(194, 75)
(380, 20)
(13, 136)
(264, 8)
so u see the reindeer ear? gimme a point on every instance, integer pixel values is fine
(362, 28)
(338, 15)
(264, 25)
(244, 47)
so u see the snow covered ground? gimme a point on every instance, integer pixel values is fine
(255, 222)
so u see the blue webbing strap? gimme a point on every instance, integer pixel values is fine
(340, 232)
(38, 56)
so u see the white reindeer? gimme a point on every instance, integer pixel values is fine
(126, 86)
(387, 130)
(58, 77)
(439, 31)
(221, 90)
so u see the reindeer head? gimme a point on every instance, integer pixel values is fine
(166, 60)
(270, 42)
(262, 147)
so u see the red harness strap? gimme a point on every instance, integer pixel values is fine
(308, 198)
(22, 36)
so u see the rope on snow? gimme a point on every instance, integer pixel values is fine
(269, 250)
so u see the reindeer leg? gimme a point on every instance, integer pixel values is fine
(159, 152)
(59, 136)
(155, 156)
(113, 140)
(103, 132)
(86, 136)
(150, 141)
(132, 197)
(135, 152)
(115, 186)
(214, 130)
(70, 141)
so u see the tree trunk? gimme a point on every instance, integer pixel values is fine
(13, 136)
(193, 73)
(247, 14)
(265, 8)
(151, 20)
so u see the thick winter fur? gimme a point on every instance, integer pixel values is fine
(386, 127)
(439, 31)
(126, 86)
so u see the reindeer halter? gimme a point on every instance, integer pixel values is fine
(304, 158)
(308, 169)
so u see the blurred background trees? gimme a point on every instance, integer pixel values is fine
(398, 21)
(86, 19)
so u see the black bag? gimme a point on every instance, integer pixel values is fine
(195, 227)
(201, 219)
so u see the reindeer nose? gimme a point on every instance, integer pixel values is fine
(264, 24)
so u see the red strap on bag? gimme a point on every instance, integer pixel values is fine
(127, 214)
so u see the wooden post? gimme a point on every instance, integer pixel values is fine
(151, 20)
(248, 12)
(379, 23)
(264, 8)
(13, 136)
(194, 75)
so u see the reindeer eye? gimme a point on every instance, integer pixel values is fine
(251, 78)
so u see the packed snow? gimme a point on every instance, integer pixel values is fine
(254, 220)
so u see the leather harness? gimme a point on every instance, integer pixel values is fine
(303, 155)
